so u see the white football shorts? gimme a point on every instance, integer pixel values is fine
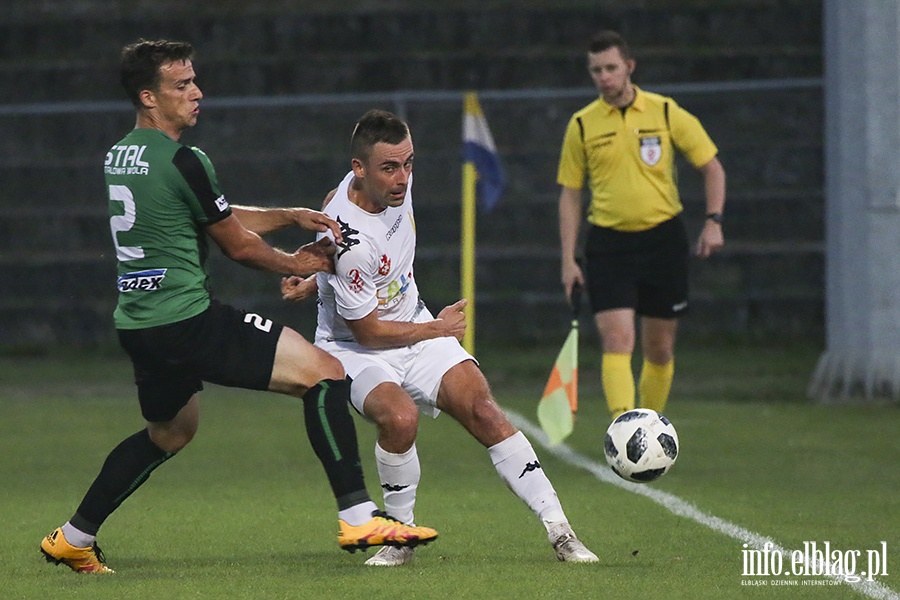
(418, 369)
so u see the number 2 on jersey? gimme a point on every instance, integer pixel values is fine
(120, 223)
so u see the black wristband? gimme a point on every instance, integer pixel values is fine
(715, 217)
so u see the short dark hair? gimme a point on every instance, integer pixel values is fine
(139, 64)
(606, 39)
(373, 127)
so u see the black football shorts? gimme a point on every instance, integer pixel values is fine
(222, 345)
(643, 270)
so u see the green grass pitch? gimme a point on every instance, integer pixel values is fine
(245, 511)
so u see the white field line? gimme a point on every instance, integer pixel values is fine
(682, 508)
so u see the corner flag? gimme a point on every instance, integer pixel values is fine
(556, 410)
(479, 149)
(482, 178)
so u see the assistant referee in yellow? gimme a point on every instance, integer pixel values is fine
(636, 247)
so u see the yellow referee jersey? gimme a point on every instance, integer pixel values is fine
(629, 160)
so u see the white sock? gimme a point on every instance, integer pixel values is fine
(358, 514)
(399, 475)
(518, 465)
(77, 537)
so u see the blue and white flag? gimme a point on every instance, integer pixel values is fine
(479, 149)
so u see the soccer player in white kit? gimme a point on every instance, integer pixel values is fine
(401, 359)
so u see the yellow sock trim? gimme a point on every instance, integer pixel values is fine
(655, 383)
(618, 383)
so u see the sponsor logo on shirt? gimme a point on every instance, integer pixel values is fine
(143, 281)
(222, 203)
(126, 160)
(384, 266)
(355, 282)
(393, 292)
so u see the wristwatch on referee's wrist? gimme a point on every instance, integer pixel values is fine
(715, 217)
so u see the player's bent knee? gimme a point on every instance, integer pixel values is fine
(394, 414)
(329, 367)
(396, 436)
(171, 440)
(176, 433)
(320, 365)
(401, 424)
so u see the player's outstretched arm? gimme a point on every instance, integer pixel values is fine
(314, 257)
(262, 221)
(373, 332)
(246, 247)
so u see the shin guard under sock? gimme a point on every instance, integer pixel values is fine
(332, 433)
(126, 468)
(399, 475)
(518, 466)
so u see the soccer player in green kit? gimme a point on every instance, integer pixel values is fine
(164, 199)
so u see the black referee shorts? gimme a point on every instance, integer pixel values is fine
(221, 345)
(643, 270)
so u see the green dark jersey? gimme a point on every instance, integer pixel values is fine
(161, 195)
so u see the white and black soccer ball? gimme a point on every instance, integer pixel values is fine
(641, 445)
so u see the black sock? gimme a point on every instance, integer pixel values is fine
(126, 468)
(332, 433)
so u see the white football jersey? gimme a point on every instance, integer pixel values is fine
(373, 266)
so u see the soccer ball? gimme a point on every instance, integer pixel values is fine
(641, 445)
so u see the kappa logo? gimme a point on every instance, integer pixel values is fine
(393, 488)
(347, 233)
(390, 233)
(144, 281)
(529, 467)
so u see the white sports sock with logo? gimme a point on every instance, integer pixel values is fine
(399, 475)
(518, 465)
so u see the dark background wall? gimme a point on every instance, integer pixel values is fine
(61, 108)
